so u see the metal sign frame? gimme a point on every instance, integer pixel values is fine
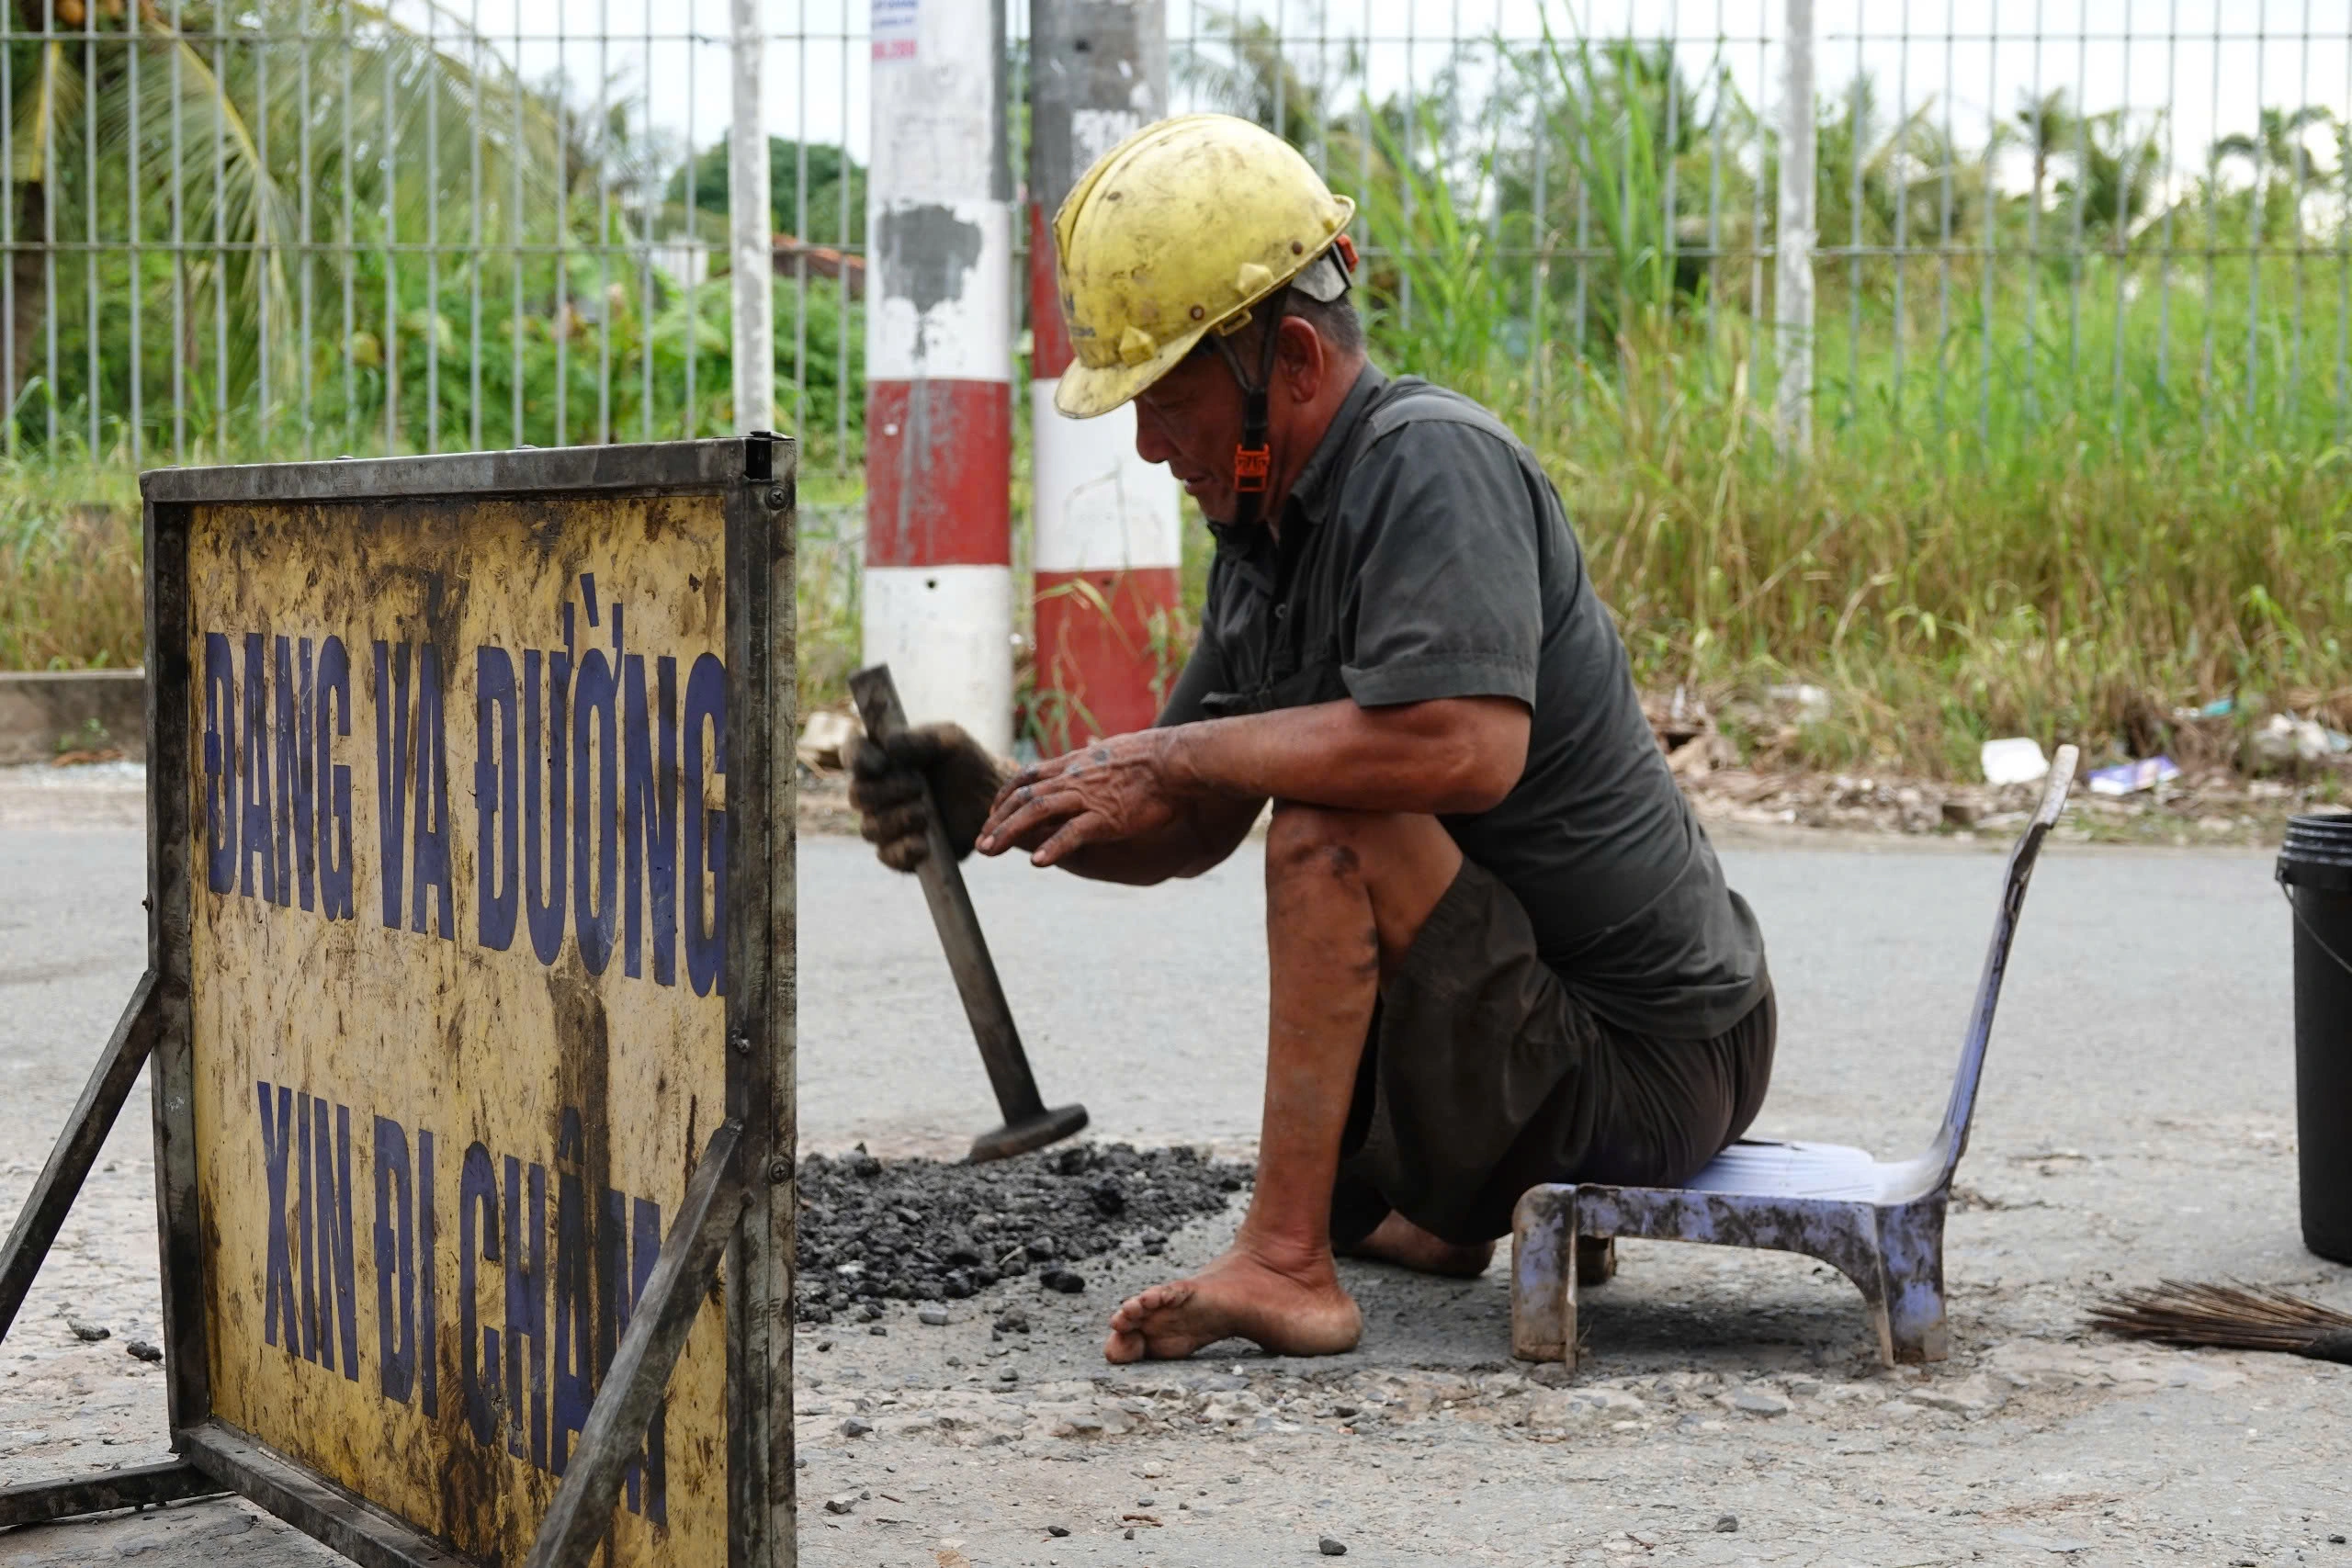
(741, 1199)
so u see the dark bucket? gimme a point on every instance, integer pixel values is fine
(2316, 867)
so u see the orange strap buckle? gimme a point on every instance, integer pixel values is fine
(1251, 467)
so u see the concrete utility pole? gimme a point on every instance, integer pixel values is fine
(1109, 547)
(939, 366)
(748, 236)
(1792, 243)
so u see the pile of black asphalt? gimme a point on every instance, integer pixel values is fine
(921, 1230)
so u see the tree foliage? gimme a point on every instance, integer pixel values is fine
(306, 155)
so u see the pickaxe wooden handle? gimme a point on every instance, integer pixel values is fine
(1028, 1124)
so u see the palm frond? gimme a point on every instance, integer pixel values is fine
(55, 97)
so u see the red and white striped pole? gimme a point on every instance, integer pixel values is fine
(938, 603)
(1108, 541)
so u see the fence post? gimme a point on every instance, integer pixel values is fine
(1108, 535)
(939, 366)
(750, 242)
(1793, 239)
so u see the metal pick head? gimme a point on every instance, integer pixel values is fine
(1031, 1132)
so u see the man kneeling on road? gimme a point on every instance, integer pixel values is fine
(1502, 951)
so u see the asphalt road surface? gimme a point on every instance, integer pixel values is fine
(2136, 1121)
(2146, 983)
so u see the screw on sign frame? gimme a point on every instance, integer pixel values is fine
(703, 966)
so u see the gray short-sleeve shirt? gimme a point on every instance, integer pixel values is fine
(1423, 554)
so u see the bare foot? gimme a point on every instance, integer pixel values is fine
(1399, 1240)
(1301, 1312)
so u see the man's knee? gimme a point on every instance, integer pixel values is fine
(1401, 863)
(1320, 840)
(1396, 852)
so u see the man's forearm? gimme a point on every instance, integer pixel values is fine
(1184, 796)
(1457, 755)
(1201, 835)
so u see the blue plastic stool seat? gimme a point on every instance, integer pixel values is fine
(1879, 1223)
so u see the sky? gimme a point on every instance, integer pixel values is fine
(2205, 66)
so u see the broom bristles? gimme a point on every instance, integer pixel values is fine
(2231, 1316)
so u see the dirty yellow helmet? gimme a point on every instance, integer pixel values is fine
(1176, 232)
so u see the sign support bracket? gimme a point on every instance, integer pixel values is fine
(318, 1507)
(583, 1510)
(77, 1146)
(139, 1486)
(117, 1068)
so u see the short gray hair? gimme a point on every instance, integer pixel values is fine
(1334, 320)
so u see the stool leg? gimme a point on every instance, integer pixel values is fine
(1911, 1246)
(1868, 1270)
(1544, 1277)
(1568, 1321)
(1916, 1325)
(1596, 1259)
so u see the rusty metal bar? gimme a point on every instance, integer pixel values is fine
(762, 535)
(138, 1486)
(78, 1147)
(170, 915)
(658, 466)
(319, 1509)
(575, 1524)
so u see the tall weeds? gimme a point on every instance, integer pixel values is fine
(70, 579)
(1946, 591)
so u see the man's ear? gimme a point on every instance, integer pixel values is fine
(1302, 359)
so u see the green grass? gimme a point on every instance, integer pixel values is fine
(2078, 586)
(1947, 590)
(2077, 574)
(70, 576)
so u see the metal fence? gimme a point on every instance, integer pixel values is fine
(303, 226)
(296, 226)
(2008, 210)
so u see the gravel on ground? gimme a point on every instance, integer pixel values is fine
(924, 1230)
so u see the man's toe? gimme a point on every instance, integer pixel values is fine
(1159, 1298)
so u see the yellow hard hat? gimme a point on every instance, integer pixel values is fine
(1175, 233)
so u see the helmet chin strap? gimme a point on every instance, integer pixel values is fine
(1254, 460)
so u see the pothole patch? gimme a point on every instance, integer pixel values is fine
(921, 1230)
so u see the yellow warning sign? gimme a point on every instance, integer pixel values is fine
(457, 776)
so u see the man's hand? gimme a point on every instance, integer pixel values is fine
(1112, 791)
(886, 787)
